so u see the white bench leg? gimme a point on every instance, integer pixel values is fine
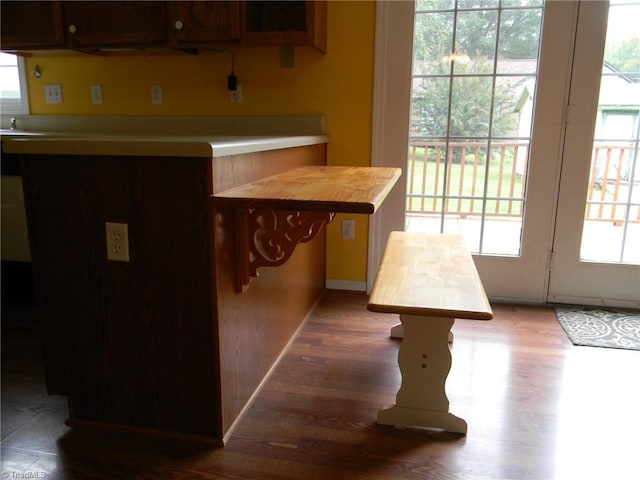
(425, 360)
(398, 332)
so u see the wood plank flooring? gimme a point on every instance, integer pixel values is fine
(537, 408)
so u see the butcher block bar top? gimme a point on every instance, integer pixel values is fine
(319, 189)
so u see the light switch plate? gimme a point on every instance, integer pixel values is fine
(53, 93)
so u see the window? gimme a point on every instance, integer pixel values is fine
(612, 216)
(13, 85)
(475, 66)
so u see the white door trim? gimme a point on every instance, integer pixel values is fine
(390, 124)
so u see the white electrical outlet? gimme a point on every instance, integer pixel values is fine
(235, 96)
(156, 94)
(348, 230)
(117, 241)
(96, 94)
(53, 93)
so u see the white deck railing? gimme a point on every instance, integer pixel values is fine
(454, 177)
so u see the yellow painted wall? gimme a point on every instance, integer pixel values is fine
(338, 84)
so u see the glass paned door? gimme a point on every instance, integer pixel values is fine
(475, 67)
(612, 215)
(454, 177)
(596, 250)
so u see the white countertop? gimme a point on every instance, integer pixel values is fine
(160, 136)
(151, 145)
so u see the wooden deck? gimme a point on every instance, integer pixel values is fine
(502, 236)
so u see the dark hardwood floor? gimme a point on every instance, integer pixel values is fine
(537, 408)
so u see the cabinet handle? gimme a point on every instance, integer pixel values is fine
(73, 29)
(179, 25)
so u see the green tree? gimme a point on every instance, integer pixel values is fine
(477, 30)
(479, 35)
(625, 57)
(471, 104)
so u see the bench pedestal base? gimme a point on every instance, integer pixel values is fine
(398, 332)
(422, 418)
(425, 360)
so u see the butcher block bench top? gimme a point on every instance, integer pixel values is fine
(429, 274)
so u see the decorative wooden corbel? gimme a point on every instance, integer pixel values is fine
(274, 214)
(268, 238)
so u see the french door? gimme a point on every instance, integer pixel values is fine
(596, 248)
(543, 248)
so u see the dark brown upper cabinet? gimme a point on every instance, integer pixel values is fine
(31, 25)
(100, 26)
(285, 23)
(115, 24)
(201, 24)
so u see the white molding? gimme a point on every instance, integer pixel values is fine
(345, 285)
(391, 94)
(593, 301)
(24, 89)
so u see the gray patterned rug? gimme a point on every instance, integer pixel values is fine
(601, 327)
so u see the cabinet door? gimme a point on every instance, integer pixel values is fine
(280, 23)
(31, 25)
(115, 24)
(198, 23)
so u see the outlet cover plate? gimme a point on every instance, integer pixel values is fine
(96, 94)
(348, 230)
(117, 241)
(156, 94)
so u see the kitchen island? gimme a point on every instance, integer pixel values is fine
(166, 342)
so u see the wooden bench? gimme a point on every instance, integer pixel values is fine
(429, 280)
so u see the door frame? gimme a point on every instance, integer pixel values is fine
(390, 125)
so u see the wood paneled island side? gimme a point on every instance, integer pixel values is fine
(164, 343)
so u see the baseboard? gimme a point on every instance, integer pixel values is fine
(345, 285)
(593, 302)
